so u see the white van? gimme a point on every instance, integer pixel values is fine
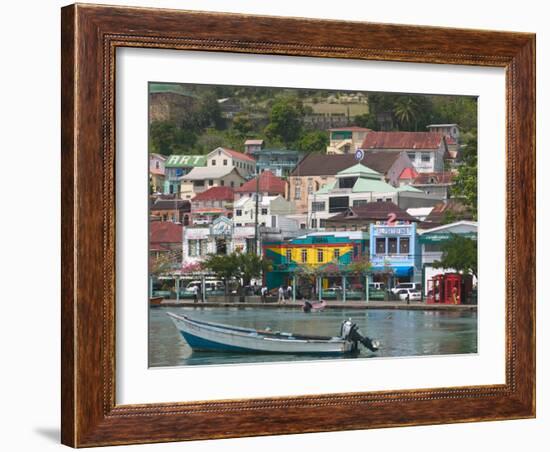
(406, 285)
(377, 286)
(209, 285)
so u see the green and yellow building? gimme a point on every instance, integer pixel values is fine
(314, 253)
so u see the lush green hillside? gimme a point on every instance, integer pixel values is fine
(228, 115)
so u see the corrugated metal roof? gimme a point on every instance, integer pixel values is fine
(402, 140)
(165, 232)
(268, 183)
(209, 172)
(314, 164)
(215, 194)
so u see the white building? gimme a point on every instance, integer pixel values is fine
(272, 212)
(228, 158)
(449, 130)
(359, 185)
(224, 167)
(221, 237)
(431, 240)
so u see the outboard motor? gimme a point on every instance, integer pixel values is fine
(350, 331)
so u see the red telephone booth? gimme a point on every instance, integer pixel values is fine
(435, 289)
(453, 285)
(445, 289)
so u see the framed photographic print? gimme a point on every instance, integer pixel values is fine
(281, 225)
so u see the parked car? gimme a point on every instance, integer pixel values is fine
(411, 294)
(377, 286)
(407, 285)
(332, 293)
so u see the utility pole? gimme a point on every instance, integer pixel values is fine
(256, 247)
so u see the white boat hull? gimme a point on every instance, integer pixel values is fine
(208, 336)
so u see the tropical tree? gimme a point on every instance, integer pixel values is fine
(465, 182)
(244, 266)
(250, 265)
(224, 266)
(406, 111)
(314, 141)
(165, 137)
(367, 120)
(242, 125)
(360, 266)
(460, 254)
(162, 263)
(285, 120)
(207, 113)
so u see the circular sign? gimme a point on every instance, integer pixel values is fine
(359, 154)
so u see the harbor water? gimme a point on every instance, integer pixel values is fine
(401, 332)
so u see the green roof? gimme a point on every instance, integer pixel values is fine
(408, 188)
(366, 185)
(185, 161)
(361, 170)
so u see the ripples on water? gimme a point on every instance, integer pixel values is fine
(401, 332)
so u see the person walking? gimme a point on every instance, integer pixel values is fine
(281, 292)
(289, 292)
(263, 292)
(195, 294)
(198, 294)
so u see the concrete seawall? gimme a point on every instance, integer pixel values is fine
(330, 305)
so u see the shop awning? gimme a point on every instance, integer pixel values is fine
(400, 272)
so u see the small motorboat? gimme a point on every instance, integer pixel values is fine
(209, 336)
(311, 306)
(155, 301)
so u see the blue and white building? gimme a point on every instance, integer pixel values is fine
(394, 248)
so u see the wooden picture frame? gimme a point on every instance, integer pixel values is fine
(90, 36)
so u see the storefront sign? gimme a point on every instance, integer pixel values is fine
(393, 230)
(438, 237)
(221, 226)
(182, 161)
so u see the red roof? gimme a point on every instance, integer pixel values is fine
(238, 155)
(215, 194)
(408, 173)
(402, 140)
(269, 183)
(165, 232)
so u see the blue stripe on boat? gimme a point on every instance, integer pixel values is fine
(201, 344)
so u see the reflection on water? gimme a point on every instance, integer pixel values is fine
(401, 333)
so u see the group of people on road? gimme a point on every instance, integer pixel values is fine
(284, 295)
(197, 294)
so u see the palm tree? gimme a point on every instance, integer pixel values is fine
(406, 111)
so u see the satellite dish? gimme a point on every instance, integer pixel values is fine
(359, 154)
